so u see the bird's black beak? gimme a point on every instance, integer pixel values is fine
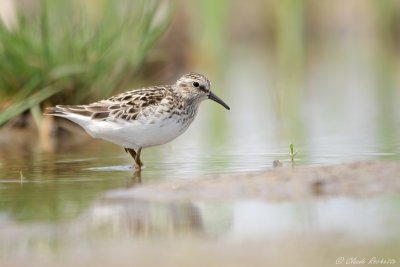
(218, 100)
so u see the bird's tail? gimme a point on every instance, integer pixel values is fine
(67, 110)
(55, 111)
(63, 110)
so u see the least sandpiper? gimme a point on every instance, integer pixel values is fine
(144, 117)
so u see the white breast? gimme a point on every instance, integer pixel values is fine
(138, 133)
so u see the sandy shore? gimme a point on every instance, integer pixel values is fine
(359, 179)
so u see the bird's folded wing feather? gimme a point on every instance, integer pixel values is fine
(126, 106)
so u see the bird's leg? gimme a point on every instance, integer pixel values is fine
(138, 162)
(135, 156)
(132, 152)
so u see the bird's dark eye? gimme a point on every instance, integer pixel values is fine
(196, 84)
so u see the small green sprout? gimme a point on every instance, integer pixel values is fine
(292, 153)
(21, 177)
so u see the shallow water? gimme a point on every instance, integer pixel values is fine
(48, 198)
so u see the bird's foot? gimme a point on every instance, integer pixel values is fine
(138, 165)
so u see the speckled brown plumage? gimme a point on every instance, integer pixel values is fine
(129, 105)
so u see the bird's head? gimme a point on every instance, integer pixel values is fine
(197, 87)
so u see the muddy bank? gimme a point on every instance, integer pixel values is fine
(359, 179)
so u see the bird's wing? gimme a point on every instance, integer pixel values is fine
(126, 106)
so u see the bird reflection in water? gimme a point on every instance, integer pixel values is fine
(134, 217)
(135, 179)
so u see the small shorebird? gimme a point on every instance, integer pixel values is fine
(144, 117)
